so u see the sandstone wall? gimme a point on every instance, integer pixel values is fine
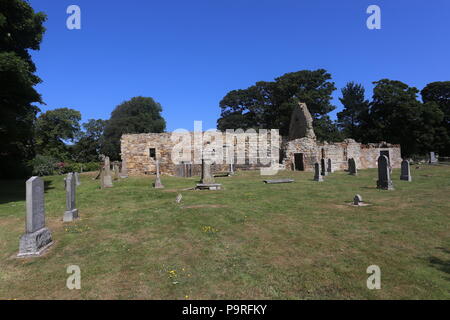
(136, 153)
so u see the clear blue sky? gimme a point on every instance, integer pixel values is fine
(188, 54)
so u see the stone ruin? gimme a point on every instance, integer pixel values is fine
(299, 151)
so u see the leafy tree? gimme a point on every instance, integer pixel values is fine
(356, 107)
(138, 115)
(397, 116)
(439, 93)
(21, 29)
(54, 129)
(270, 104)
(89, 144)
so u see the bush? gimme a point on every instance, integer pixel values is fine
(78, 167)
(43, 165)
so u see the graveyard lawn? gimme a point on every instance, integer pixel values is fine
(250, 240)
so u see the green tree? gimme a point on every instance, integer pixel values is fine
(54, 129)
(439, 93)
(398, 117)
(21, 29)
(90, 141)
(138, 115)
(270, 104)
(356, 107)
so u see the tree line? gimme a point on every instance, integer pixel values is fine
(394, 114)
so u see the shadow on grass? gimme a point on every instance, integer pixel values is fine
(441, 264)
(15, 190)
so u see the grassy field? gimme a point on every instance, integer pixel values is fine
(248, 241)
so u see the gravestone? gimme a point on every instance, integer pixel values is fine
(207, 177)
(433, 158)
(105, 175)
(179, 198)
(317, 176)
(357, 200)
(107, 166)
(352, 167)
(279, 181)
(37, 237)
(116, 170)
(207, 180)
(124, 169)
(405, 171)
(329, 167)
(384, 174)
(323, 169)
(71, 211)
(77, 179)
(158, 184)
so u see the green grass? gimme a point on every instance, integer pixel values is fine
(248, 241)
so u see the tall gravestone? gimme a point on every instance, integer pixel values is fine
(317, 176)
(37, 237)
(71, 212)
(207, 177)
(323, 169)
(384, 174)
(77, 178)
(124, 169)
(433, 158)
(158, 184)
(106, 174)
(352, 167)
(329, 167)
(116, 170)
(405, 171)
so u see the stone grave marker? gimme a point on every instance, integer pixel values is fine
(37, 237)
(158, 184)
(71, 212)
(352, 167)
(405, 171)
(384, 174)
(317, 176)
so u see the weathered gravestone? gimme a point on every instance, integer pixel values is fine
(116, 170)
(124, 169)
(405, 171)
(352, 167)
(105, 175)
(317, 176)
(323, 169)
(433, 158)
(77, 179)
(207, 180)
(207, 177)
(158, 184)
(279, 181)
(384, 174)
(357, 200)
(329, 166)
(71, 212)
(179, 198)
(37, 237)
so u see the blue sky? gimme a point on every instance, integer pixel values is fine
(188, 54)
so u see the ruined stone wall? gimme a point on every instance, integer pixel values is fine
(135, 150)
(365, 156)
(136, 153)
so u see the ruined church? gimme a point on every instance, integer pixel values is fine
(299, 151)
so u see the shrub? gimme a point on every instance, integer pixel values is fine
(43, 165)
